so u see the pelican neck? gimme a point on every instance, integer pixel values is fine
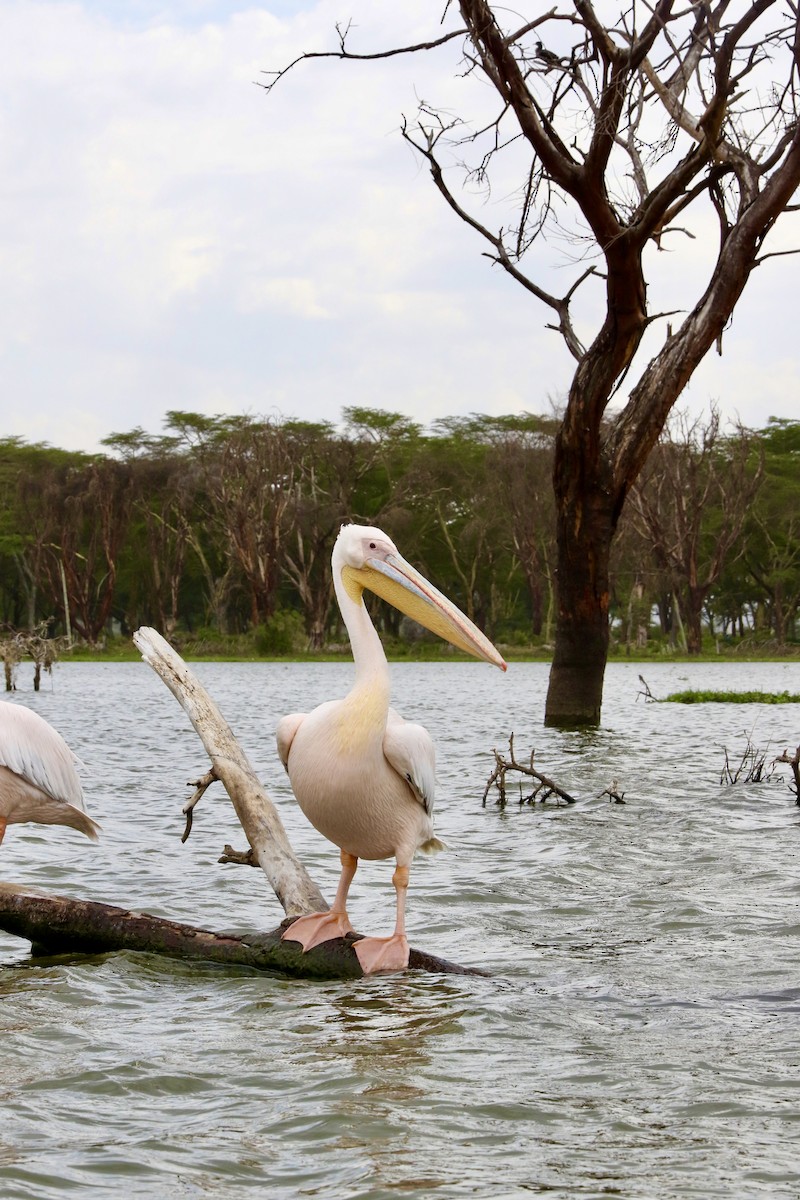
(368, 653)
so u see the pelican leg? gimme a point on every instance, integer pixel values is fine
(3, 827)
(324, 927)
(388, 954)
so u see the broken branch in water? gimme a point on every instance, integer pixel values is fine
(258, 816)
(543, 787)
(794, 763)
(752, 766)
(614, 794)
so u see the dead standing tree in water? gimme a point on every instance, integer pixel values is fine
(58, 924)
(621, 136)
(794, 762)
(34, 644)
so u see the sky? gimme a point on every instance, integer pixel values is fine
(172, 236)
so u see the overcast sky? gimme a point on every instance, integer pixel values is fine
(172, 237)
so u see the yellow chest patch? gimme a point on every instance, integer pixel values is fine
(361, 721)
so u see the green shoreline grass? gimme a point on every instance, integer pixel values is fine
(753, 697)
(123, 650)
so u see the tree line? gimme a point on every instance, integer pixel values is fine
(225, 525)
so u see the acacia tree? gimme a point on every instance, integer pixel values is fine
(521, 463)
(249, 477)
(327, 469)
(626, 128)
(772, 535)
(691, 505)
(84, 512)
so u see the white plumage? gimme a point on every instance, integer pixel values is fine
(38, 780)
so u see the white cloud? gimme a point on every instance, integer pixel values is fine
(172, 237)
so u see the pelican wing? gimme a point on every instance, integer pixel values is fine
(410, 750)
(34, 750)
(284, 735)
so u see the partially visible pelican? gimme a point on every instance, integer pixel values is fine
(362, 775)
(38, 780)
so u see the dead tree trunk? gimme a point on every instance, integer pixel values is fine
(628, 128)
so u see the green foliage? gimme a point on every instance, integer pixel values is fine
(281, 634)
(219, 532)
(699, 697)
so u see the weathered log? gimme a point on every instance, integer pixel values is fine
(60, 924)
(259, 818)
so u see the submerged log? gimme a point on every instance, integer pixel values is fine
(61, 925)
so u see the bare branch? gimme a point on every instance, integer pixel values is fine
(344, 53)
(500, 255)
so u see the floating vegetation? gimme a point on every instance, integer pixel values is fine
(698, 697)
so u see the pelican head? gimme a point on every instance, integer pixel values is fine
(366, 557)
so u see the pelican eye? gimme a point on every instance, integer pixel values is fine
(373, 546)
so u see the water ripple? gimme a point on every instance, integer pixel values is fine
(639, 1035)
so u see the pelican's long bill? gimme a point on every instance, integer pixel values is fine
(396, 581)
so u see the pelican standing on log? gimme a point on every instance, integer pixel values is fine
(362, 775)
(38, 780)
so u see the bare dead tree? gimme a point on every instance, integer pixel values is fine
(615, 137)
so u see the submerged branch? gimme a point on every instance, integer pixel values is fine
(543, 787)
(752, 766)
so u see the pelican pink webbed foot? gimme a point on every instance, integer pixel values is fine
(382, 954)
(316, 928)
(388, 954)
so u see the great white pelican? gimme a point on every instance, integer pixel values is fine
(362, 775)
(38, 780)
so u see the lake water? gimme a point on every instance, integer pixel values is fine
(640, 1034)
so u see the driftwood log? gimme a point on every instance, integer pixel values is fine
(58, 924)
